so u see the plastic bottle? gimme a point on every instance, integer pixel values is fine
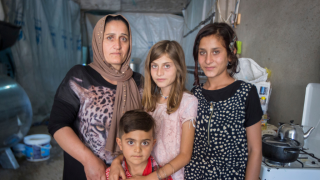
(263, 100)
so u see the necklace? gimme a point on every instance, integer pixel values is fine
(165, 97)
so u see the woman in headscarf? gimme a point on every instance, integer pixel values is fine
(91, 99)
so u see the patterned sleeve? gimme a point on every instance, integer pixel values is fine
(107, 173)
(188, 108)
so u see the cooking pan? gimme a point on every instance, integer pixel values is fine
(280, 150)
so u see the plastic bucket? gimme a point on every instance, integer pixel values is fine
(37, 147)
(19, 150)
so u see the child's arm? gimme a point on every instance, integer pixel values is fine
(181, 160)
(254, 151)
(186, 148)
(116, 170)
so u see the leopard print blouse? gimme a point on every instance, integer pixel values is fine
(85, 101)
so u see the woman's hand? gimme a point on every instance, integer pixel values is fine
(95, 169)
(116, 170)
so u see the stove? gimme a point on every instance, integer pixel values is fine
(307, 166)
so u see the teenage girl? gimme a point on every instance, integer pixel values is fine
(173, 108)
(227, 142)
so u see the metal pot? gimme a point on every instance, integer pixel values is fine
(280, 150)
(293, 131)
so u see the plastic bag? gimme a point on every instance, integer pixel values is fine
(250, 71)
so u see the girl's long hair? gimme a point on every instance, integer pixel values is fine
(151, 92)
(227, 35)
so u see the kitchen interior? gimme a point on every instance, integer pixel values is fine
(277, 42)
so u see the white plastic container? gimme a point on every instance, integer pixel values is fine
(37, 147)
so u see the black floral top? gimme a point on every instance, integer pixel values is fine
(220, 144)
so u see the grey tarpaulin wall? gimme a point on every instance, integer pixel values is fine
(147, 29)
(196, 12)
(49, 44)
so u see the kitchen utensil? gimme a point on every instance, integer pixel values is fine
(294, 132)
(280, 150)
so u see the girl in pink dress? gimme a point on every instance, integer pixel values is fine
(173, 108)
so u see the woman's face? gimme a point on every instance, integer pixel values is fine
(116, 43)
(212, 57)
(163, 72)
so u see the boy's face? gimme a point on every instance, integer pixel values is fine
(136, 146)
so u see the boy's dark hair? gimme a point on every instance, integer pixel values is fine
(136, 120)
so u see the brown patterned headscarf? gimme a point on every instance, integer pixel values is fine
(127, 94)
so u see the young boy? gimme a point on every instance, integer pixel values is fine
(136, 132)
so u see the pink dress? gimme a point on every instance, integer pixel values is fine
(169, 130)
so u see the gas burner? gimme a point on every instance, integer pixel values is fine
(310, 154)
(312, 164)
(274, 163)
